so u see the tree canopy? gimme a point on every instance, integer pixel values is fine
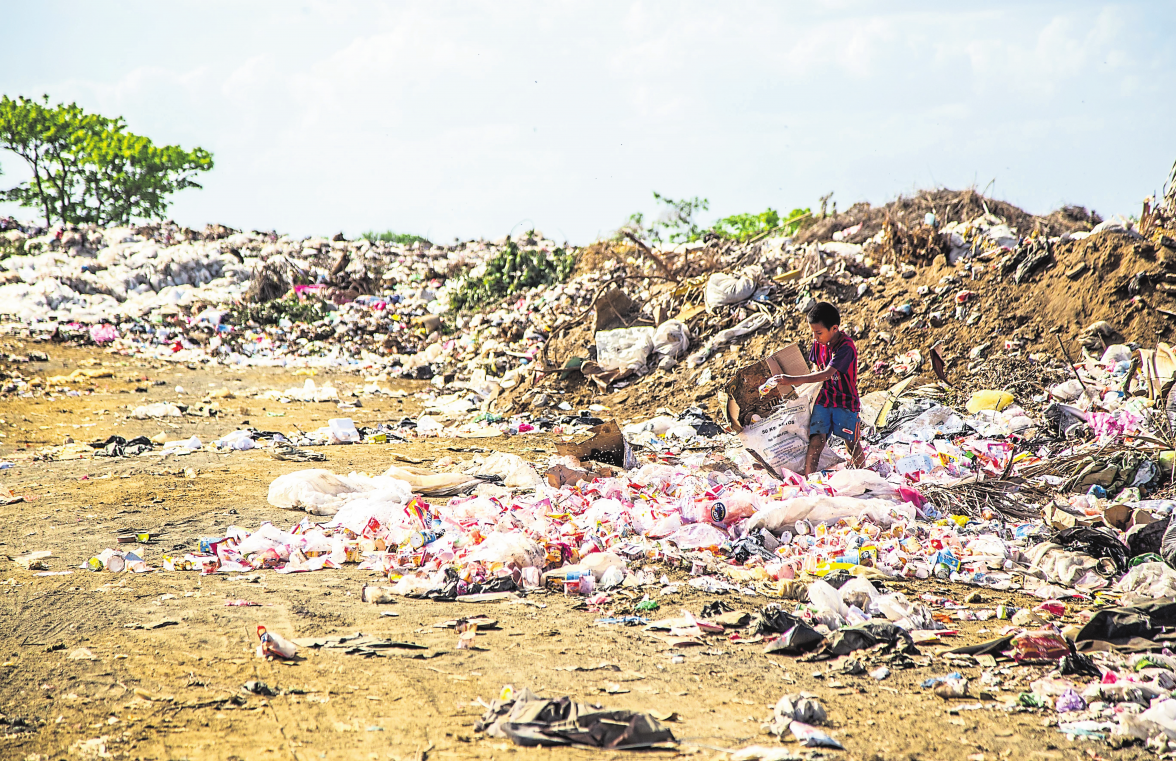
(89, 168)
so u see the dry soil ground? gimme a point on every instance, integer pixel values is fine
(164, 659)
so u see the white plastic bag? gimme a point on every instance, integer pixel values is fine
(855, 483)
(723, 288)
(352, 499)
(781, 516)
(509, 548)
(625, 350)
(307, 489)
(1160, 719)
(600, 562)
(515, 472)
(156, 409)
(343, 431)
(670, 341)
(858, 592)
(696, 535)
(826, 597)
(1147, 581)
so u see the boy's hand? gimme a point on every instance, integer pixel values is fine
(774, 381)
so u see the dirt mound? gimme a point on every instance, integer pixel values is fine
(948, 206)
(1111, 276)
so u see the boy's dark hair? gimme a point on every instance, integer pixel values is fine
(824, 314)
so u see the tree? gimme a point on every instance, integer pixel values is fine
(676, 222)
(89, 168)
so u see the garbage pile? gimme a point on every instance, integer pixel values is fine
(994, 465)
(176, 293)
(1059, 487)
(514, 320)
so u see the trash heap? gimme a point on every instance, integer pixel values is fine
(1067, 499)
(517, 321)
(996, 465)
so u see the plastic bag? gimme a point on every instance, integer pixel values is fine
(1074, 569)
(670, 341)
(353, 499)
(515, 472)
(1116, 353)
(781, 516)
(989, 400)
(237, 440)
(1150, 581)
(156, 409)
(307, 489)
(804, 707)
(1160, 719)
(853, 483)
(723, 288)
(512, 548)
(1067, 390)
(858, 592)
(696, 536)
(894, 606)
(625, 350)
(343, 431)
(381, 497)
(600, 562)
(822, 594)
(612, 577)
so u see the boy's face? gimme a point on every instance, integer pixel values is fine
(821, 334)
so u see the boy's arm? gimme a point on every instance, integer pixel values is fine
(796, 380)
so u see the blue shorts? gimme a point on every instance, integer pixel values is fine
(835, 421)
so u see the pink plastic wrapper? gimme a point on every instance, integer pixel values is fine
(103, 333)
(1039, 646)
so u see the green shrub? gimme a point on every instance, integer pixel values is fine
(743, 227)
(509, 272)
(310, 309)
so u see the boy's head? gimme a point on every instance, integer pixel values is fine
(825, 321)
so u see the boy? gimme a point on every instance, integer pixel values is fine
(838, 402)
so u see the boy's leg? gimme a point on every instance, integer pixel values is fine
(857, 458)
(812, 458)
(847, 426)
(820, 426)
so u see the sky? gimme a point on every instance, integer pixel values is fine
(475, 119)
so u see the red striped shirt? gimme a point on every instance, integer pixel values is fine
(840, 391)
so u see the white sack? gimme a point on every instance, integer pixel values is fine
(723, 288)
(624, 349)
